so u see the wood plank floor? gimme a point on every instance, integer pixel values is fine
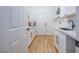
(42, 44)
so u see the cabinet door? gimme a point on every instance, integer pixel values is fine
(77, 24)
(77, 18)
(62, 10)
(71, 9)
(62, 46)
(65, 10)
(62, 42)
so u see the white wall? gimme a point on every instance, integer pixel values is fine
(42, 15)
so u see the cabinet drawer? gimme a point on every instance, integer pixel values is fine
(61, 34)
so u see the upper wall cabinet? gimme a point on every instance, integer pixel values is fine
(77, 18)
(66, 10)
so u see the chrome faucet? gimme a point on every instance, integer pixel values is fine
(73, 25)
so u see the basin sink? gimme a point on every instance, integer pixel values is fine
(65, 29)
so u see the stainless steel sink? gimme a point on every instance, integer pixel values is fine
(65, 29)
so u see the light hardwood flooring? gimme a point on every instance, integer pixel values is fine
(42, 44)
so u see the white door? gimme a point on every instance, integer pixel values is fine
(4, 33)
(18, 29)
(13, 29)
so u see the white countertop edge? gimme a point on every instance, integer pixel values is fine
(71, 33)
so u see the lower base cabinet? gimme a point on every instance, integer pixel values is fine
(65, 43)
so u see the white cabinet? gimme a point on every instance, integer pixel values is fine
(77, 49)
(61, 42)
(65, 44)
(77, 23)
(39, 31)
(77, 17)
(66, 10)
(31, 33)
